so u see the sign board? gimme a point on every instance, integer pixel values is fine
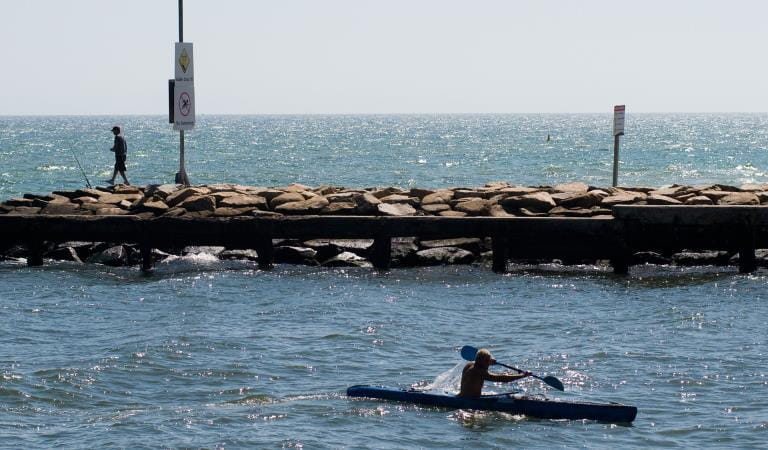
(618, 120)
(184, 87)
(183, 106)
(184, 63)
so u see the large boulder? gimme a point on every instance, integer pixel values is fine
(110, 211)
(439, 197)
(64, 253)
(114, 199)
(161, 191)
(248, 255)
(383, 192)
(156, 207)
(403, 252)
(199, 203)
(452, 213)
(473, 245)
(112, 256)
(287, 254)
(20, 202)
(476, 207)
(399, 198)
(467, 193)
(699, 200)
(435, 208)
(561, 211)
(367, 204)
(576, 187)
(310, 206)
(287, 197)
(395, 209)
(183, 194)
(739, 198)
(232, 212)
(243, 201)
(621, 198)
(584, 200)
(346, 259)
(62, 209)
(358, 246)
(419, 192)
(444, 255)
(535, 202)
(658, 199)
(705, 258)
(340, 209)
(342, 197)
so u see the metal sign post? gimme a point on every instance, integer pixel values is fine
(183, 111)
(618, 130)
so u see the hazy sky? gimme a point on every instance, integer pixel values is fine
(388, 56)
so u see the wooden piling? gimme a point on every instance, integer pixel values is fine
(500, 249)
(146, 259)
(34, 253)
(747, 261)
(265, 251)
(381, 252)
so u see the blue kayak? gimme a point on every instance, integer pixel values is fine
(509, 403)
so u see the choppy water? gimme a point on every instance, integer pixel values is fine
(208, 353)
(36, 153)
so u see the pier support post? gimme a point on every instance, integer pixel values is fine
(381, 252)
(747, 261)
(500, 248)
(266, 251)
(35, 253)
(620, 264)
(146, 259)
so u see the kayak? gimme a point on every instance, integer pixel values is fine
(513, 403)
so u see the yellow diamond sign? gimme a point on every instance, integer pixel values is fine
(184, 60)
(185, 63)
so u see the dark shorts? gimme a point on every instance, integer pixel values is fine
(120, 163)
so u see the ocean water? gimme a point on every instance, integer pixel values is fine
(220, 354)
(40, 154)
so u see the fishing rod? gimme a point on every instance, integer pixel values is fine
(87, 182)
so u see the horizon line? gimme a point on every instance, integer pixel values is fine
(375, 113)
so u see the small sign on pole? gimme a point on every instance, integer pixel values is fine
(618, 130)
(184, 88)
(618, 120)
(183, 107)
(184, 62)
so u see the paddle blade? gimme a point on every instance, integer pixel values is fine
(554, 382)
(468, 352)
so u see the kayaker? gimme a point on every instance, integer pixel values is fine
(475, 373)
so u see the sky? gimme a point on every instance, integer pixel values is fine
(394, 56)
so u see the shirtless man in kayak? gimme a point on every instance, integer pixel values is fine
(475, 373)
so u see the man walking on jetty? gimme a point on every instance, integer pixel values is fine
(121, 151)
(475, 373)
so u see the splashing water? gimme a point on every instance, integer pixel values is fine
(448, 381)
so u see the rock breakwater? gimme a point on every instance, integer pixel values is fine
(498, 199)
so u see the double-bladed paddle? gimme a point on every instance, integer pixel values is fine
(469, 353)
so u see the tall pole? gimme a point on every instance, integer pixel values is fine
(616, 160)
(181, 177)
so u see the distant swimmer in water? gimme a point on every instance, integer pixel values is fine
(548, 138)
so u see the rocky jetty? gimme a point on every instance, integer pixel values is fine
(498, 199)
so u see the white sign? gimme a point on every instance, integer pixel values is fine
(184, 62)
(183, 106)
(618, 120)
